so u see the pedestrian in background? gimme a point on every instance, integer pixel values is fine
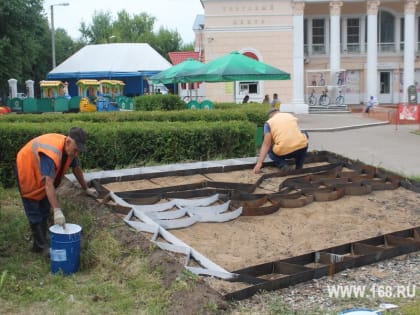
(275, 103)
(266, 99)
(370, 104)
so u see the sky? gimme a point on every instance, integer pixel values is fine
(174, 15)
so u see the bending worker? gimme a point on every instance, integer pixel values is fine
(283, 140)
(40, 166)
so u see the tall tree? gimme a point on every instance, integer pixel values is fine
(136, 28)
(166, 41)
(64, 45)
(100, 31)
(24, 35)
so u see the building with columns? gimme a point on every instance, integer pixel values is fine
(354, 48)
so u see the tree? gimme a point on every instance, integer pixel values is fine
(64, 45)
(137, 28)
(24, 34)
(187, 47)
(166, 41)
(100, 31)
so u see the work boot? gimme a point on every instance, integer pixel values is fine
(40, 244)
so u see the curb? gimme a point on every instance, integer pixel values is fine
(346, 127)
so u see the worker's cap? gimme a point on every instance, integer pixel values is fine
(79, 136)
(272, 111)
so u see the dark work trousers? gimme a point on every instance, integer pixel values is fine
(280, 160)
(36, 211)
(298, 155)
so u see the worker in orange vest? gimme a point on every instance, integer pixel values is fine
(40, 167)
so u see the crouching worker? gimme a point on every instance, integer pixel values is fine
(283, 140)
(40, 166)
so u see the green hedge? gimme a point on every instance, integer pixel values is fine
(120, 144)
(159, 102)
(255, 114)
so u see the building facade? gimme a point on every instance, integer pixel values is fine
(350, 48)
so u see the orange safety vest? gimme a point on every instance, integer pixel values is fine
(28, 164)
(286, 134)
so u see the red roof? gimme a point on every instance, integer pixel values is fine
(179, 56)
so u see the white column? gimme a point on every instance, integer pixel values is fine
(298, 105)
(372, 49)
(335, 8)
(30, 88)
(409, 48)
(12, 88)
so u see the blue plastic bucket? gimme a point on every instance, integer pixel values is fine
(65, 248)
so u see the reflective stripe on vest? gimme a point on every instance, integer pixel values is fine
(28, 164)
(38, 145)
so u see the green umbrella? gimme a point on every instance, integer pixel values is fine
(174, 73)
(235, 67)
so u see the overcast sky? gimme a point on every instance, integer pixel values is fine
(174, 15)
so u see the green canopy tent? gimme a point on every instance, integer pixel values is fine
(234, 67)
(174, 73)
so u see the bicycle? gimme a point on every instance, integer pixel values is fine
(312, 98)
(339, 100)
(324, 99)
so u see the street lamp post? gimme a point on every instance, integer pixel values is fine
(53, 32)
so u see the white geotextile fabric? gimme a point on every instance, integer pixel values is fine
(158, 218)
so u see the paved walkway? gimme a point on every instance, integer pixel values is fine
(356, 136)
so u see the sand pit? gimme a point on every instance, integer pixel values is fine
(251, 240)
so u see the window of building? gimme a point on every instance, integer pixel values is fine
(418, 34)
(386, 33)
(305, 37)
(353, 35)
(402, 28)
(248, 88)
(318, 36)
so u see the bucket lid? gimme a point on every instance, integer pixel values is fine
(70, 229)
(359, 311)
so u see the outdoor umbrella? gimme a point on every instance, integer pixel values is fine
(175, 73)
(235, 67)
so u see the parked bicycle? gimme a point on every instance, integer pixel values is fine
(312, 98)
(324, 99)
(339, 100)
